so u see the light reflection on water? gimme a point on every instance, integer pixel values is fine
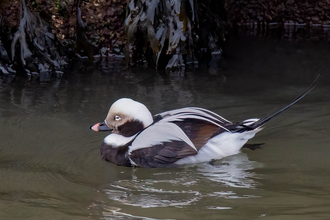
(234, 171)
(181, 187)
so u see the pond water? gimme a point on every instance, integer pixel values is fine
(50, 165)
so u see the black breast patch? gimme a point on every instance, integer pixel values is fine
(116, 155)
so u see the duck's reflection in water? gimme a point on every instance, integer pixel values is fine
(181, 187)
(234, 171)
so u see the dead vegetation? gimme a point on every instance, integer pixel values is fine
(170, 30)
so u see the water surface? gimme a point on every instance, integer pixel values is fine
(50, 166)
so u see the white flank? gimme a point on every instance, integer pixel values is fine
(222, 145)
(116, 140)
(159, 133)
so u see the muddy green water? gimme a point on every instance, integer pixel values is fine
(50, 166)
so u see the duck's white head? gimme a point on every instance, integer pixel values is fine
(127, 117)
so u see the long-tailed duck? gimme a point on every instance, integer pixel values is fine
(181, 136)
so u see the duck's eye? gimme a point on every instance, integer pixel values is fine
(117, 118)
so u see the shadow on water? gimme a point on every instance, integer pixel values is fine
(50, 166)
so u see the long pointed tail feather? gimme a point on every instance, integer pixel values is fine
(302, 95)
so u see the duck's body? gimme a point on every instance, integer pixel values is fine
(181, 136)
(188, 135)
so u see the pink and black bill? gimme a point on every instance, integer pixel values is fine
(102, 126)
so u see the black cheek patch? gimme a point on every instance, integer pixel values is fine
(130, 128)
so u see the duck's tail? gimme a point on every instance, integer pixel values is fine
(260, 122)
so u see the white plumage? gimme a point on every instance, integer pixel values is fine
(222, 145)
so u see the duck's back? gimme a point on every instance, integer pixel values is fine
(177, 135)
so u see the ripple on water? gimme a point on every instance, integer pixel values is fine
(189, 188)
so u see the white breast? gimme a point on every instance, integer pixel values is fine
(116, 140)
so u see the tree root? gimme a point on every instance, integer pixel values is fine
(38, 53)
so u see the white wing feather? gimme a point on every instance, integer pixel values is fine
(159, 133)
(195, 113)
